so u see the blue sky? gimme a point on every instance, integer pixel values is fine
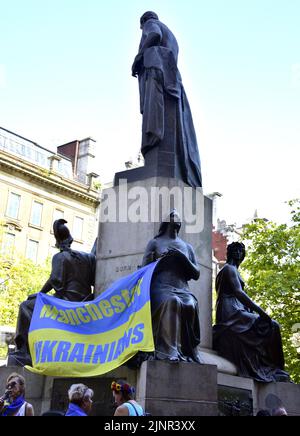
(65, 74)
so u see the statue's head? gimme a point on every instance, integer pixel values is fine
(236, 251)
(172, 220)
(149, 15)
(62, 234)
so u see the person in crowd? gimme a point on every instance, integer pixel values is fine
(263, 412)
(280, 411)
(53, 413)
(123, 394)
(13, 402)
(80, 400)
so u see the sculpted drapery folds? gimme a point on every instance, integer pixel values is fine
(175, 312)
(244, 333)
(163, 101)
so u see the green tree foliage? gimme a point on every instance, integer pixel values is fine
(272, 269)
(19, 277)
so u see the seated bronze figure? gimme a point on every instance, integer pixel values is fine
(72, 278)
(175, 313)
(244, 333)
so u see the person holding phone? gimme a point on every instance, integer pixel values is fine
(13, 402)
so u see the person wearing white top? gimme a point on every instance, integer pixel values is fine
(13, 402)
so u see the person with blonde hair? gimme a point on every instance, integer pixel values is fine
(13, 402)
(80, 398)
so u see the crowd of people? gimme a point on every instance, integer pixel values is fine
(80, 396)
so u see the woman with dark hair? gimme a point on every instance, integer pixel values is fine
(244, 333)
(123, 394)
(13, 403)
(263, 412)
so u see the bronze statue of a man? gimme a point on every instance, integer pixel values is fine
(167, 118)
(72, 278)
(244, 333)
(175, 312)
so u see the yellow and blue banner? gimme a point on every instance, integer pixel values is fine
(92, 338)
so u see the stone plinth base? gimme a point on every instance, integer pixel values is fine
(178, 389)
(236, 392)
(210, 357)
(122, 240)
(287, 393)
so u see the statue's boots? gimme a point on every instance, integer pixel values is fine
(19, 358)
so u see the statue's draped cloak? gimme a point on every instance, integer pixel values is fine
(161, 91)
(243, 337)
(175, 311)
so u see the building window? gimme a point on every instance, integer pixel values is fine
(36, 214)
(13, 205)
(8, 243)
(32, 250)
(58, 215)
(78, 228)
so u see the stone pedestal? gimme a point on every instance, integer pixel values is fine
(121, 244)
(178, 389)
(210, 357)
(275, 394)
(263, 395)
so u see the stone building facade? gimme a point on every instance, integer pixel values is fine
(38, 186)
